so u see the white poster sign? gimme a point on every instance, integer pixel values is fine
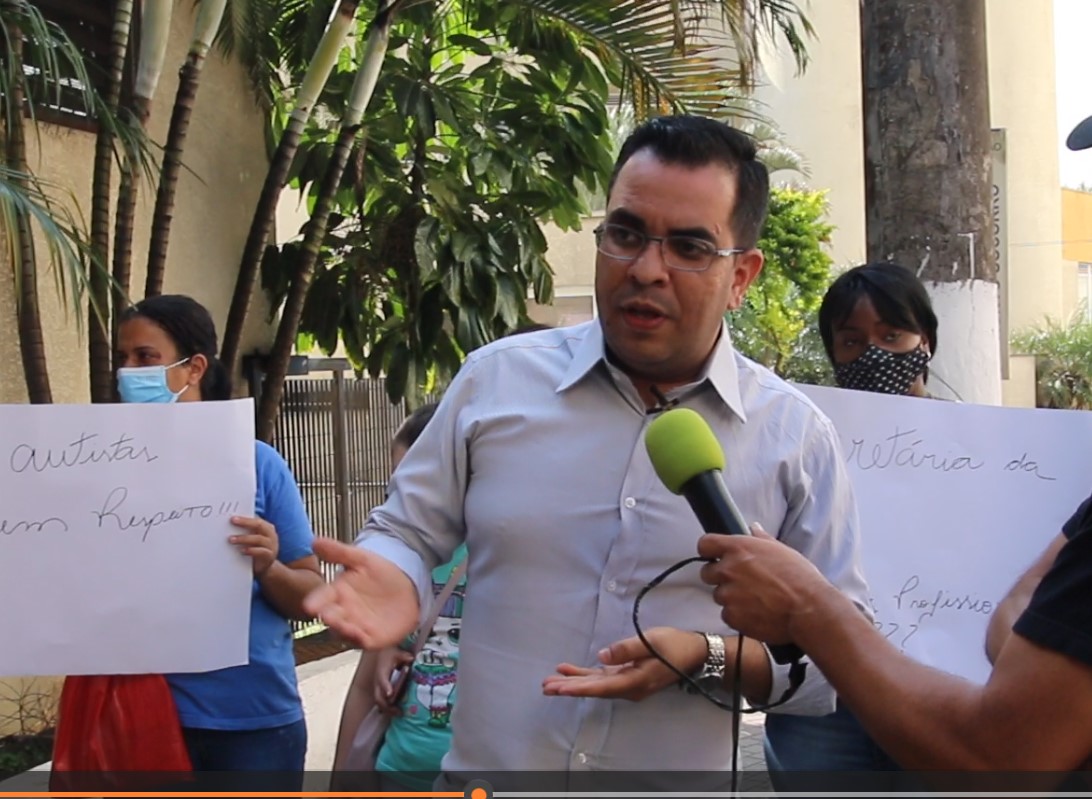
(114, 526)
(955, 501)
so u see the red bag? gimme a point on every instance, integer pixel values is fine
(117, 723)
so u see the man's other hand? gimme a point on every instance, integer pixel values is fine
(371, 603)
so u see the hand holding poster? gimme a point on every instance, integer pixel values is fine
(114, 526)
(955, 501)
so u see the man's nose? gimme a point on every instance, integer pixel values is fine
(649, 267)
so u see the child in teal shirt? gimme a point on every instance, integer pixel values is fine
(419, 733)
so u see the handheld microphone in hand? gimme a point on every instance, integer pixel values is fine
(689, 460)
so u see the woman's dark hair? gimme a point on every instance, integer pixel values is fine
(193, 332)
(414, 425)
(897, 295)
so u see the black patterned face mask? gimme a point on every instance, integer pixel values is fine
(881, 371)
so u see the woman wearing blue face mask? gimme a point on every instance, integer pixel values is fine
(245, 718)
(880, 332)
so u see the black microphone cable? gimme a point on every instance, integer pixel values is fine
(797, 670)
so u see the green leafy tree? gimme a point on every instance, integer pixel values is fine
(437, 235)
(776, 325)
(488, 119)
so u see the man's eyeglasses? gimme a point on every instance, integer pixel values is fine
(684, 253)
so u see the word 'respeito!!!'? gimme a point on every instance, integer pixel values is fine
(111, 512)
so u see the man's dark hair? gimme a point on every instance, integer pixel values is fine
(189, 325)
(694, 141)
(414, 425)
(898, 296)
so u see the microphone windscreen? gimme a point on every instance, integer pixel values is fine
(681, 446)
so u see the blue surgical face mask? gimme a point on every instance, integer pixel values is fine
(147, 383)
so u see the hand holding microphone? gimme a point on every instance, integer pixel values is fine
(689, 461)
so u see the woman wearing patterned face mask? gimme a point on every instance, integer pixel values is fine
(880, 332)
(245, 718)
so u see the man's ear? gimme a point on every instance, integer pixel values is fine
(746, 267)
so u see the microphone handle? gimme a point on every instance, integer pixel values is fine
(718, 513)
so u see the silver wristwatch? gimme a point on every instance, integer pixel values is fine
(711, 673)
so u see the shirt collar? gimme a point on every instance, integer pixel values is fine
(720, 370)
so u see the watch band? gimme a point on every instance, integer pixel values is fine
(712, 670)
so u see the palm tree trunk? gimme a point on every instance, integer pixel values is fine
(154, 33)
(31, 341)
(125, 219)
(209, 15)
(99, 347)
(264, 215)
(277, 370)
(927, 173)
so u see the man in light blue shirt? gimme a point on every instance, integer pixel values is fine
(536, 460)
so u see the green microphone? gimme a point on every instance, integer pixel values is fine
(689, 460)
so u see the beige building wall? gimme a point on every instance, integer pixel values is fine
(572, 256)
(819, 113)
(226, 160)
(1022, 101)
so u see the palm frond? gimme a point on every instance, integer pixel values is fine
(130, 140)
(748, 23)
(25, 196)
(749, 115)
(685, 55)
(247, 33)
(53, 64)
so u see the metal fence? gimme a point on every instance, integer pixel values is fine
(335, 433)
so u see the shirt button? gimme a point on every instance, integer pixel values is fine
(581, 758)
(612, 586)
(630, 502)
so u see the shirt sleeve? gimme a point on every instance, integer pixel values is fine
(1077, 520)
(421, 524)
(822, 524)
(1059, 616)
(283, 505)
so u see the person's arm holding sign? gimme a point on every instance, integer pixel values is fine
(279, 543)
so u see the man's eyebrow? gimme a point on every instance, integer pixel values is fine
(623, 217)
(694, 233)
